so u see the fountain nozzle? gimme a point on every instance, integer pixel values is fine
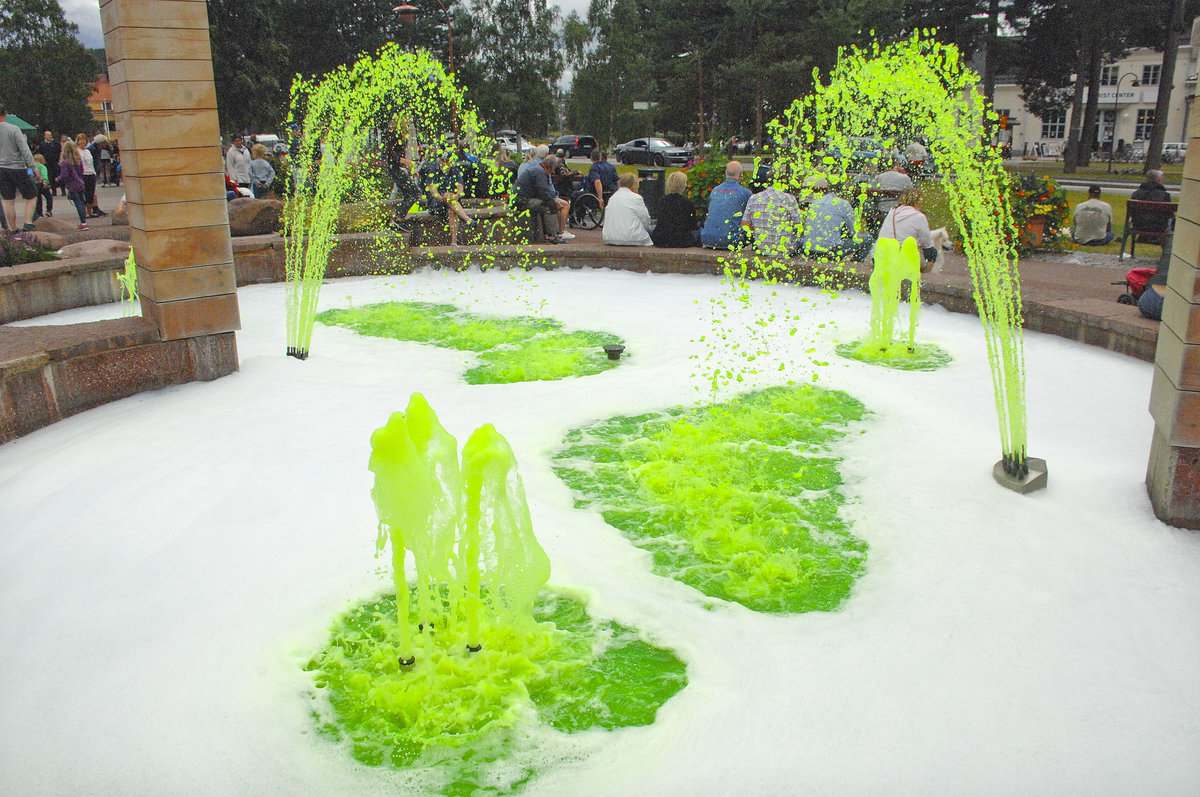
(410, 661)
(474, 648)
(613, 350)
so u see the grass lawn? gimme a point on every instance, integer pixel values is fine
(1122, 172)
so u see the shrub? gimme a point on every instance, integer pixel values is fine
(702, 179)
(1033, 195)
(20, 247)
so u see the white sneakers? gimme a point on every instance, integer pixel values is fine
(564, 237)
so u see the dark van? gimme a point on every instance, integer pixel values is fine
(574, 146)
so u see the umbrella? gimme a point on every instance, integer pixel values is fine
(13, 119)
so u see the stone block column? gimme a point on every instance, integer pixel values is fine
(160, 68)
(1173, 475)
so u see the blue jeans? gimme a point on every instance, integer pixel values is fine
(1151, 303)
(1107, 239)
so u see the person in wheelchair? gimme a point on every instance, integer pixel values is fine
(564, 177)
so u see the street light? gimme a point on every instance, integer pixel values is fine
(1112, 150)
(699, 94)
(408, 13)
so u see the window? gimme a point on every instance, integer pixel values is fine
(1150, 74)
(1054, 124)
(1108, 75)
(1145, 125)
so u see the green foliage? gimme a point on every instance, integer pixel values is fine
(738, 500)
(45, 73)
(21, 247)
(1033, 195)
(703, 177)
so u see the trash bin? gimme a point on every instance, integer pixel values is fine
(651, 184)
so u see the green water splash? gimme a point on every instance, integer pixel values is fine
(522, 349)
(739, 500)
(337, 115)
(922, 357)
(895, 264)
(470, 651)
(889, 93)
(130, 302)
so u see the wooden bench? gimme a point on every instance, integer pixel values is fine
(1138, 208)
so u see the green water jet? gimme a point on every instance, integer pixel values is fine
(889, 93)
(336, 116)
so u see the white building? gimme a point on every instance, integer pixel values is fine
(1128, 93)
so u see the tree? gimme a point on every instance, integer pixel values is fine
(249, 65)
(513, 62)
(46, 75)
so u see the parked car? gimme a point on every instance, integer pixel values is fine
(574, 146)
(652, 152)
(271, 141)
(1174, 151)
(513, 141)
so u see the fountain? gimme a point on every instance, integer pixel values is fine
(889, 93)
(471, 647)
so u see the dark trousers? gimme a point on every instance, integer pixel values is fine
(46, 195)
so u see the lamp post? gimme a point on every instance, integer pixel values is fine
(699, 93)
(1112, 150)
(408, 13)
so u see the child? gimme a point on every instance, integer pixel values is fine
(262, 174)
(70, 170)
(42, 176)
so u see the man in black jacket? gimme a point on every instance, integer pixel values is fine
(534, 194)
(51, 150)
(1152, 190)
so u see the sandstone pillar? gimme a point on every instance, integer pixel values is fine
(1173, 476)
(160, 68)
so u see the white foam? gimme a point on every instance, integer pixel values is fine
(170, 561)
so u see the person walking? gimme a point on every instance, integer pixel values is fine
(16, 173)
(51, 151)
(43, 185)
(70, 169)
(89, 176)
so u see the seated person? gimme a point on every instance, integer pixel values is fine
(1091, 224)
(907, 221)
(772, 219)
(676, 226)
(601, 178)
(888, 185)
(726, 204)
(626, 220)
(564, 176)
(1152, 190)
(1150, 303)
(444, 189)
(830, 232)
(535, 195)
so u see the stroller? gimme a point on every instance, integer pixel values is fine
(1135, 284)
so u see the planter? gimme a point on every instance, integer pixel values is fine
(1035, 230)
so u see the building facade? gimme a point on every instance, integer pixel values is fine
(100, 103)
(1128, 96)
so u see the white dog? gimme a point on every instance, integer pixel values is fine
(942, 242)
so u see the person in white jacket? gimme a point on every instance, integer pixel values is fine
(626, 220)
(237, 163)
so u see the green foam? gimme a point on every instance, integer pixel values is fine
(569, 671)
(522, 349)
(451, 673)
(897, 355)
(738, 500)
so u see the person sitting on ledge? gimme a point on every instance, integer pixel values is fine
(444, 189)
(772, 218)
(726, 204)
(1150, 304)
(535, 195)
(676, 226)
(830, 233)
(1091, 225)
(626, 220)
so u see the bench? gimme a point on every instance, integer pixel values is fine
(1135, 215)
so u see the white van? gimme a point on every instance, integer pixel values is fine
(1174, 151)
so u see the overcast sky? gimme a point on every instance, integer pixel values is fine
(86, 14)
